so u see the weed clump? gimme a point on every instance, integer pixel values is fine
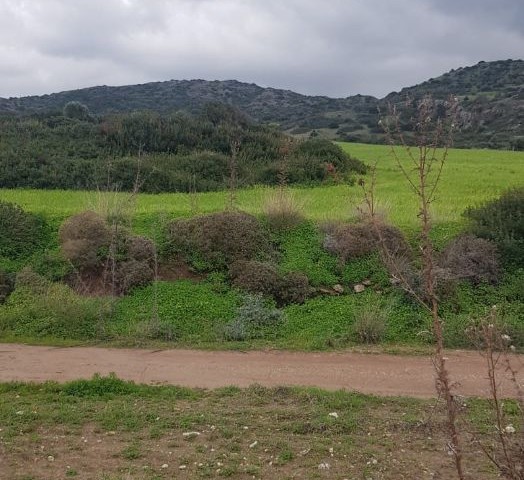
(282, 211)
(370, 325)
(214, 241)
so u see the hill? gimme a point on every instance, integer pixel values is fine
(491, 95)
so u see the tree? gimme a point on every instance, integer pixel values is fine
(76, 111)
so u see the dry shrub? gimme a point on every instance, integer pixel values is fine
(470, 258)
(264, 278)
(282, 210)
(132, 273)
(85, 239)
(140, 248)
(293, 288)
(255, 277)
(212, 242)
(349, 241)
(122, 260)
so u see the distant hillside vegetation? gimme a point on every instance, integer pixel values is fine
(491, 113)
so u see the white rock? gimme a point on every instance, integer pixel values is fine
(358, 288)
(510, 429)
(324, 466)
(190, 434)
(51, 458)
(182, 467)
(254, 444)
(165, 465)
(333, 414)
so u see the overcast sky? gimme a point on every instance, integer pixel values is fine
(325, 47)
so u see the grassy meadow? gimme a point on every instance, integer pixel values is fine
(194, 314)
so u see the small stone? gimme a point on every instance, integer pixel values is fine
(338, 288)
(164, 465)
(358, 288)
(50, 458)
(324, 466)
(366, 282)
(510, 429)
(190, 434)
(20, 412)
(254, 444)
(333, 414)
(182, 467)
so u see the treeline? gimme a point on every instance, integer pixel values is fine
(163, 153)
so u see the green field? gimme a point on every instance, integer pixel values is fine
(469, 178)
(194, 314)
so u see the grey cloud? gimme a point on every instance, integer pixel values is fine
(329, 47)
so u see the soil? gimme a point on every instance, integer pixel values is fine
(378, 374)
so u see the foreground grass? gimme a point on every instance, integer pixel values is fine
(109, 429)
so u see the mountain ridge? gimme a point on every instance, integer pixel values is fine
(491, 96)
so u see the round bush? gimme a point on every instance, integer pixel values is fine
(212, 242)
(471, 258)
(349, 241)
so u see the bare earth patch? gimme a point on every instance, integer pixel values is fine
(163, 433)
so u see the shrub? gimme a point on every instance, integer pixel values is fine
(212, 242)
(89, 244)
(370, 325)
(293, 288)
(502, 221)
(132, 273)
(6, 286)
(52, 265)
(349, 241)
(28, 279)
(470, 258)
(263, 278)
(56, 312)
(21, 233)
(255, 277)
(85, 239)
(255, 319)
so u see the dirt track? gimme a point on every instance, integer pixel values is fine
(368, 373)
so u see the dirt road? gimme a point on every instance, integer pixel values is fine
(368, 373)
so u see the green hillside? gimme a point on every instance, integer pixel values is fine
(491, 94)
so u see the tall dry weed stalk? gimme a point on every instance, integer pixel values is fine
(421, 161)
